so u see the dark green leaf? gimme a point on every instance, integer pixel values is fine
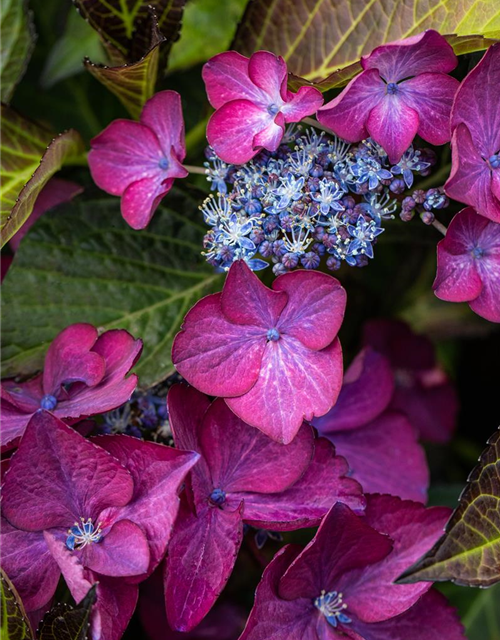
(31, 155)
(83, 263)
(482, 620)
(469, 551)
(15, 624)
(17, 38)
(64, 622)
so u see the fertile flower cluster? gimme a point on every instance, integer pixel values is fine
(316, 196)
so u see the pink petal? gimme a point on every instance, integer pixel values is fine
(186, 408)
(294, 384)
(219, 358)
(304, 103)
(201, 557)
(370, 592)
(57, 476)
(232, 128)
(357, 404)
(19, 401)
(268, 72)
(304, 504)
(315, 307)
(425, 52)
(78, 580)
(245, 300)
(344, 542)
(393, 125)
(347, 114)
(226, 78)
(270, 137)
(385, 457)
(242, 458)
(431, 96)
(163, 114)
(141, 199)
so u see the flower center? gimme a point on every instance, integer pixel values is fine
(218, 497)
(392, 88)
(83, 533)
(494, 161)
(273, 334)
(331, 606)
(477, 252)
(272, 109)
(163, 163)
(48, 402)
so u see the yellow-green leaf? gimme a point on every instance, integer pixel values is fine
(15, 624)
(17, 38)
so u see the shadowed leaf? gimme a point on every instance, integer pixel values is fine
(31, 155)
(482, 620)
(15, 625)
(83, 263)
(64, 622)
(17, 39)
(469, 551)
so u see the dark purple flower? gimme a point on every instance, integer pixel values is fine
(341, 584)
(84, 374)
(403, 90)
(380, 445)
(272, 354)
(252, 103)
(468, 268)
(93, 513)
(242, 476)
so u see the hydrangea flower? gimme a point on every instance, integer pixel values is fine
(475, 121)
(84, 374)
(97, 514)
(252, 103)
(423, 391)
(243, 476)
(342, 584)
(272, 354)
(139, 161)
(468, 268)
(403, 90)
(379, 444)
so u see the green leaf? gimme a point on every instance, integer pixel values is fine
(15, 624)
(83, 263)
(17, 39)
(30, 157)
(64, 622)
(318, 38)
(482, 620)
(469, 551)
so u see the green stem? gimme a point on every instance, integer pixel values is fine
(192, 169)
(318, 125)
(440, 227)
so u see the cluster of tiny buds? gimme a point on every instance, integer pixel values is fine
(423, 202)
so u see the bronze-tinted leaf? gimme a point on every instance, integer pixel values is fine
(469, 551)
(64, 622)
(15, 624)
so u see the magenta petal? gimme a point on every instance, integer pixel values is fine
(200, 559)
(344, 542)
(425, 52)
(163, 114)
(19, 401)
(242, 458)
(431, 96)
(28, 563)
(245, 300)
(116, 602)
(393, 125)
(385, 457)
(185, 423)
(304, 384)
(371, 592)
(357, 404)
(226, 78)
(346, 115)
(267, 72)
(315, 307)
(57, 476)
(216, 356)
(304, 504)
(270, 137)
(141, 199)
(304, 103)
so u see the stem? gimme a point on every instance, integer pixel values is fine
(440, 227)
(192, 169)
(318, 125)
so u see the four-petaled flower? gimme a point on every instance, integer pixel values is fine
(140, 160)
(272, 354)
(403, 90)
(252, 104)
(468, 268)
(84, 374)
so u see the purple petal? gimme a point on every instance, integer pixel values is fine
(385, 457)
(242, 458)
(344, 542)
(186, 408)
(201, 557)
(347, 114)
(425, 52)
(56, 477)
(366, 391)
(304, 103)
(304, 504)
(315, 307)
(216, 356)
(393, 125)
(431, 96)
(19, 403)
(163, 114)
(294, 384)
